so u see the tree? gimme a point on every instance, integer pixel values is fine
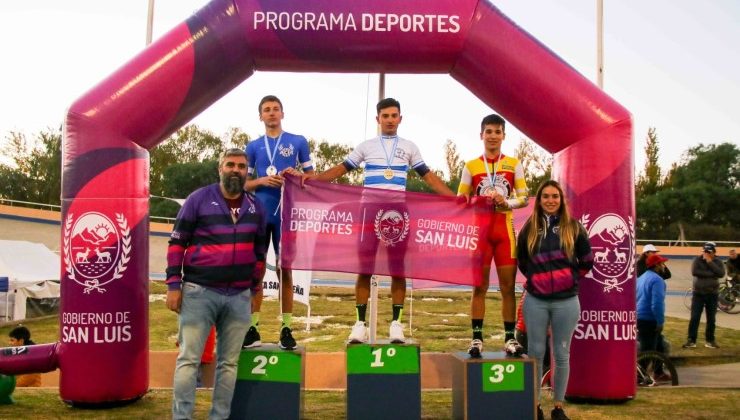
(455, 165)
(701, 193)
(649, 182)
(236, 138)
(717, 164)
(37, 175)
(326, 155)
(188, 144)
(537, 163)
(180, 180)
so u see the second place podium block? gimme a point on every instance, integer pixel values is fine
(269, 384)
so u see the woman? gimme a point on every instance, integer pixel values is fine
(553, 253)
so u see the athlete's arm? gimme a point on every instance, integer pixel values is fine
(327, 176)
(520, 195)
(437, 184)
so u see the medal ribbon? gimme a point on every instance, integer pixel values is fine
(388, 160)
(271, 155)
(495, 168)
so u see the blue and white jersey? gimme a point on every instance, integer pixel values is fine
(292, 150)
(375, 155)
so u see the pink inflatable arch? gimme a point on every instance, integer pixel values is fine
(103, 351)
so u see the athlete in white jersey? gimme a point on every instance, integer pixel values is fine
(387, 159)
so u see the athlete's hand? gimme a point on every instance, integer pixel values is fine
(497, 199)
(275, 181)
(290, 171)
(306, 177)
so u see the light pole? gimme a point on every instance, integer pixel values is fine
(149, 22)
(599, 43)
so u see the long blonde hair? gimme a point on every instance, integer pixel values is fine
(569, 228)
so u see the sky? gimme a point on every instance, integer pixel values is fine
(674, 64)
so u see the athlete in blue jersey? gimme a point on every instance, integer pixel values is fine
(269, 157)
(387, 159)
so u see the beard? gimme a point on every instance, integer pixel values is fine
(233, 183)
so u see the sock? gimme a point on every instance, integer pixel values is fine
(287, 319)
(255, 320)
(397, 312)
(477, 329)
(361, 308)
(509, 328)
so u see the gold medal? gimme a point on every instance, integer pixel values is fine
(388, 173)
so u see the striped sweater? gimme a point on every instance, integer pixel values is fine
(208, 248)
(550, 273)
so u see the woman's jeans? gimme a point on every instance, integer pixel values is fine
(561, 316)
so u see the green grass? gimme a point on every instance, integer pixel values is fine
(439, 319)
(653, 403)
(440, 324)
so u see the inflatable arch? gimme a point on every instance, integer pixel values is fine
(103, 351)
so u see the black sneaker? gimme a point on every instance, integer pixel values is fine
(557, 413)
(689, 345)
(287, 342)
(711, 345)
(252, 339)
(540, 413)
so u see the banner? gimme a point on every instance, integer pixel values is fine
(332, 227)
(271, 284)
(520, 216)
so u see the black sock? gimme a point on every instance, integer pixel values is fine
(509, 328)
(477, 329)
(361, 309)
(397, 310)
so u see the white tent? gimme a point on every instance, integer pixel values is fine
(32, 271)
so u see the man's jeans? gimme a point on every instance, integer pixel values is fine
(201, 308)
(700, 302)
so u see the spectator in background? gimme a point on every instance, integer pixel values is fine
(647, 251)
(651, 304)
(707, 269)
(732, 265)
(21, 336)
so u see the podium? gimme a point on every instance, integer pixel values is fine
(494, 386)
(269, 383)
(383, 381)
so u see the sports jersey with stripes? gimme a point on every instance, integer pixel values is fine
(507, 179)
(383, 153)
(291, 150)
(507, 176)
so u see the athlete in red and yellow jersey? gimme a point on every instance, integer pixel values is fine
(501, 179)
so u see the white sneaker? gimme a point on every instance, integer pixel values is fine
(513, 348)
(476, 348)
(396, 333)
(359, 333)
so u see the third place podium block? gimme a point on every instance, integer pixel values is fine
(383, 381)
(493, 387)
(269, 384)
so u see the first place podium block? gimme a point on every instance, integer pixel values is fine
(383, 381)
(269, 384)
(493, 387)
